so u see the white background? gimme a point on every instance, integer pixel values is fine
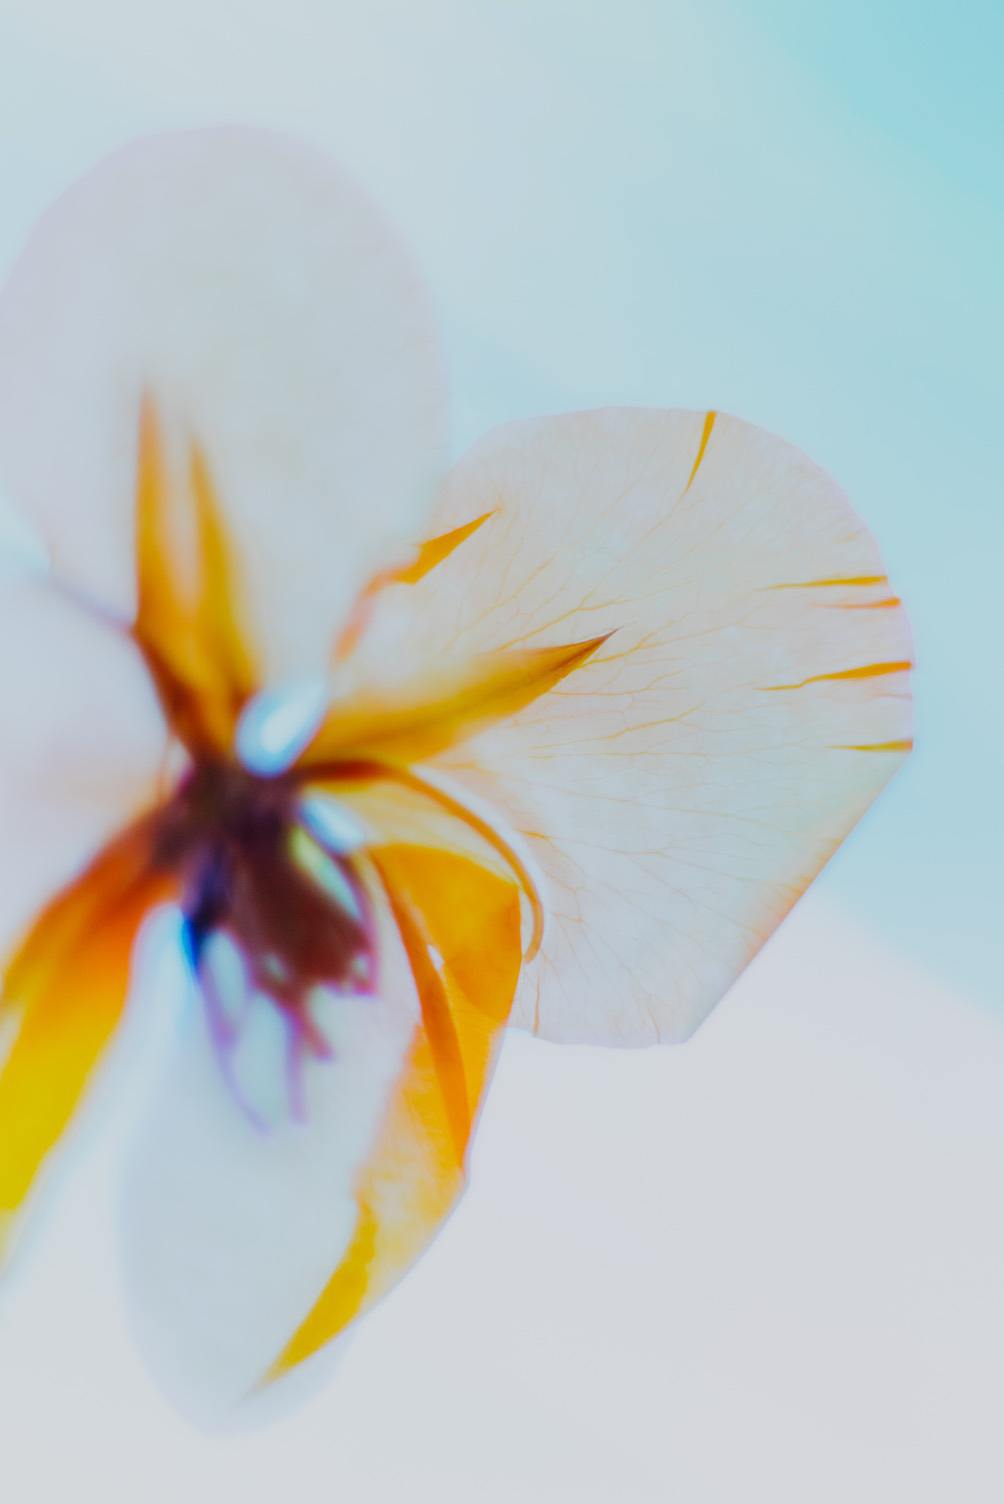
(768, 1265)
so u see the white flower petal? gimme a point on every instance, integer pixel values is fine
(266, 306)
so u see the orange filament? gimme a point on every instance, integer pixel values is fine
(454, 804)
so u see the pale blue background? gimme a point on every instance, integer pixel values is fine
(792, 212)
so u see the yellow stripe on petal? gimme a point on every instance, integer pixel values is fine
(901, 744)
(448, 709)
(461, 930)
(64, 992)
(220, 628)
(709, 423)
(833, 582)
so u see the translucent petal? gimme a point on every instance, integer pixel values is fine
(267, 309)
(685, 783)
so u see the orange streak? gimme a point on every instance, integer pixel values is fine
(415, 1172)
(709, 424)
(219, 617)
(438, 1022)
(869, 671)
(886, 604)
(429, 554)
(188, 624)
(435, 550)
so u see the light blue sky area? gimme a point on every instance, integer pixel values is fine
(792, 212)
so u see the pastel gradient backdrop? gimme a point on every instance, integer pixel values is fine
(766, 1265)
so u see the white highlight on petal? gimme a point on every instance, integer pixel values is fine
(278, 723)
(333, 824)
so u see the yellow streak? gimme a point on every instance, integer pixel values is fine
(850, 579)
(709, 423)
(904, 745)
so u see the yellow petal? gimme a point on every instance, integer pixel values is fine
(460, 927)
(64, 991)
(268, 309)
(685, 784)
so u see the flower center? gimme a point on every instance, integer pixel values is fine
(272, 917)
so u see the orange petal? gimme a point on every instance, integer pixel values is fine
(675, 808)
(64, 992)
(189, 629)
(446, 708)
(460, 927)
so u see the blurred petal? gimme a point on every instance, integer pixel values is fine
(240, 1243)
(82, 750)
(685, 784)
(267, 309)
(460, 928)
(191, 631)
(64, 992)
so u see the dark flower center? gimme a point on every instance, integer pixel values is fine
(296, 913)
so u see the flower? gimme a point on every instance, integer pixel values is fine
(554, 741)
